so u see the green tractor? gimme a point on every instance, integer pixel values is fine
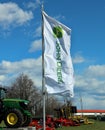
(14, 112)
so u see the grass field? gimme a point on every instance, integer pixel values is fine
(97, 125)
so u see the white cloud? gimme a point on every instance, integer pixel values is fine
(16, 66)
(87, 82)
(11, 13)
(9, 70)
(33, 5)
(2, 78)
(91, 103)
(96, 70)
(38, 32)
(91, 84)
(59, 17)
(80, 81)
(91, 87)
(35, 45)
(78, 58)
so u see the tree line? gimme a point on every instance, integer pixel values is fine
(23, 88)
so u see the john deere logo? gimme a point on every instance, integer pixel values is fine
(58, 32)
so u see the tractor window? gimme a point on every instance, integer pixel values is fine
(2, 94)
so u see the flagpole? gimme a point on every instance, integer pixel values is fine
(43, 77)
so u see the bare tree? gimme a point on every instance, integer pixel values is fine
(23, 88)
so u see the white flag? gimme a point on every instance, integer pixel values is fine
(58, 64)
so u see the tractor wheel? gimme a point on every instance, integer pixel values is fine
(27, 121)
(13, 118)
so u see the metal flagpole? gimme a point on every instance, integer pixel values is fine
(43, 77)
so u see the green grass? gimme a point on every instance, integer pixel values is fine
(97, 125)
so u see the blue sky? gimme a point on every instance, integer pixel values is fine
(20, 40)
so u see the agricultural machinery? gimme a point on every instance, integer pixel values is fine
(14, 112)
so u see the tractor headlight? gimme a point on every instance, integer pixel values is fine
(26, 103)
